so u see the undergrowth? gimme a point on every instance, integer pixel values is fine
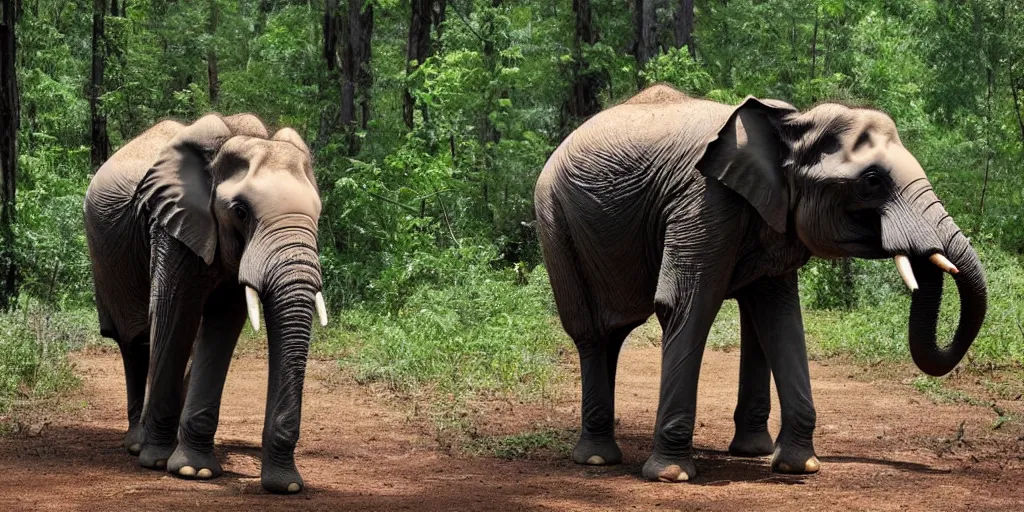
(34, 344)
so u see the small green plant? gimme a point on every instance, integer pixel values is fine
(33, 354)
(525, 445)
(934, 389)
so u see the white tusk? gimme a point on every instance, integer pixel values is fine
(321, 308)
(907, 273)
(941, 262)
(252, 301)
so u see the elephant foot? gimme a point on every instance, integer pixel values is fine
(597, 452)
(189, 463)
(795, 461)
(661, 469)
(751, 444)
(154, 456)
(281, 480)
(133, 439)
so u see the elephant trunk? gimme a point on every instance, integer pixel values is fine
(928, 243)
(281, 262)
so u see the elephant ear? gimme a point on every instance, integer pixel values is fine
(746, 156)
(178, 189)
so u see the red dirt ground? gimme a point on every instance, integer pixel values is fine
(883, 446)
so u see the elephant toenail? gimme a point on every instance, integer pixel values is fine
(673, 473)
(812, 465)
(161, 463)
(293, 487)
(135, 448)
(204, 473)
(595, 460)
(187, 471)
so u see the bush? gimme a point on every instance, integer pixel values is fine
(33, 352)
(478, 330)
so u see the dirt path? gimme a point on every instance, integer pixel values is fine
(883, 447)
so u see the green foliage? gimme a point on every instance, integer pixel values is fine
(33, 352)
(677, 68)
(526, 445)
(426, 234)
(469, 330)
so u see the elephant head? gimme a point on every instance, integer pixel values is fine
(842, 181)
(248, 205)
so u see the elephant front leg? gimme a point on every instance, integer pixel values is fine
(686, 303)
(774, 307)
(222, 323)
(177, 294)
(754, 403)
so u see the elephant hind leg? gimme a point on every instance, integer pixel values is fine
(135, 356)
(598, 361)
(754, 403)
(578, 312)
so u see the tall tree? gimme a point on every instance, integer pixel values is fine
(356, 73)
(417, 48)
(100, 140)
(646, 45)
(682, 21)
(211, 53)
(9, 120)
(586, 82)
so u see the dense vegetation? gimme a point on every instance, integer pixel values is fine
(431, 119)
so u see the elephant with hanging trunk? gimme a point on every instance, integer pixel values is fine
(670, 205)
(189, 229)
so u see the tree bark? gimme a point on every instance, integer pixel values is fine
(417, 48)
(683, 26)
(211, 54)
(9, 121)
(356, 74)
(643, 24)
(586, 83)
(489, 132)
(1015, 87)
(814, 54)
(100, 141)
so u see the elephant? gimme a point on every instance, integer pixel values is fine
(190, 230)
(670, 205)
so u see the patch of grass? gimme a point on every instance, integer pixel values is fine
(876, 328)
(33, 353)
(489, 333)
(937, 392)
(526, 445)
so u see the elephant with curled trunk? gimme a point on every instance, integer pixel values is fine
(189, 228)
(669, 205)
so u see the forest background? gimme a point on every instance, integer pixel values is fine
(430, 121)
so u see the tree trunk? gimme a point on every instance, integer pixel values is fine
(211, 54)
(643, 22)
(586, 83)
(100, 142)
(1015, 87)
(683, 26)
(417, 48)
(814, 55)
(356, 74)
(8, 155)
(490, 133)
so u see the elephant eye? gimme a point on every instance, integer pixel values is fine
(240, 211)
(870, 185)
